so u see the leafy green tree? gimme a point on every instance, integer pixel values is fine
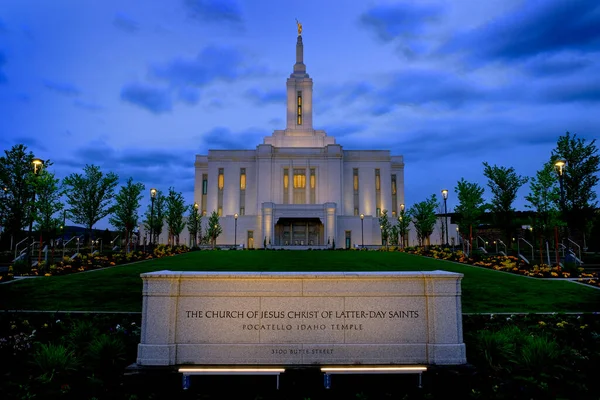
(424, 218)
(156, 215)
(18, 189)
(579, 179)
(470, 208)
(385, 225)
(214, 228)
(194, 223)
(404, 221)
(504, 184)
(125, 211)
(48, 203)
(174, 214)
(90, 195)
(543, 198)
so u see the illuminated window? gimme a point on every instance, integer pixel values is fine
(221, 179)
(313, 186)
(299, 186)
(394, 196)
(204, 192)
(299, 108)
(220, 185)
(243, 179)
(242, 190)
(286, 185)
(355, 184)
(378, 191)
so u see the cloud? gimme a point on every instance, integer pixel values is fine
(261, 97)
(87, 106)
(62, 88)
(153, 99)
(535, 28)
(211, 64)
(188, 95)
(390, 21)
(3, 78)
(215, 11)
(557, 65)
(340, 131)
(125, 23)
(222, 138)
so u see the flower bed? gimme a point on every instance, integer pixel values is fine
(83, 356)
(86, 262)
(505, 263)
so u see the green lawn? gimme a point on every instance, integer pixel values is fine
(119, 288)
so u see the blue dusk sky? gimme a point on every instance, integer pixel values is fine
(140, 87)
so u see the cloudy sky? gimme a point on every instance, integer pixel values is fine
(140, 87)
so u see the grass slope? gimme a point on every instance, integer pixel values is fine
(119, 288)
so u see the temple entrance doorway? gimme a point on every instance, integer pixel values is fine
(299, 232)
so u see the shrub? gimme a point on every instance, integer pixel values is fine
(54, 359)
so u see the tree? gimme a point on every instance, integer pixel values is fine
(48, 203)
(174, 215)
(504, 184)
(470, 208)
(404, 220)
(194, 223)
(385, 225)
(214, 228)
(125, 211)
(90, 195)
(16, 181)
(423, 215)
(543, 199)
(579, 179)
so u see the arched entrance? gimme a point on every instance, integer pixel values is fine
(299, 232)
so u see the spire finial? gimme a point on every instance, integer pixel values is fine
(299, 27)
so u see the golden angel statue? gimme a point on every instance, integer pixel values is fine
(299, 27)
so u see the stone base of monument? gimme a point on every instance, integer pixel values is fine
(267, 322)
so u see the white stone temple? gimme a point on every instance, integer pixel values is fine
(299, 188)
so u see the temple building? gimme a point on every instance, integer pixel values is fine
(299, 188)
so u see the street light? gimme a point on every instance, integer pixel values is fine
(196, 206)
(381, 233)
(402, 228)
(152, 196)
(560, 166)
(445, 196)
(37, 167)
(362, 231)
(235, 216)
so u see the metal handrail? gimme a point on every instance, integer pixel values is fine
(67, 242)
(17, 246)
(578, 247)
(530, 245)
(505, 248)
(476, 237)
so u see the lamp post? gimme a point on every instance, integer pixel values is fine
(196, 224)
(235, 217)
(362, 231)
(381, 233)
(152, 196)
(402, 227)
(560, 169)
(445, 196)
(37, 167)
